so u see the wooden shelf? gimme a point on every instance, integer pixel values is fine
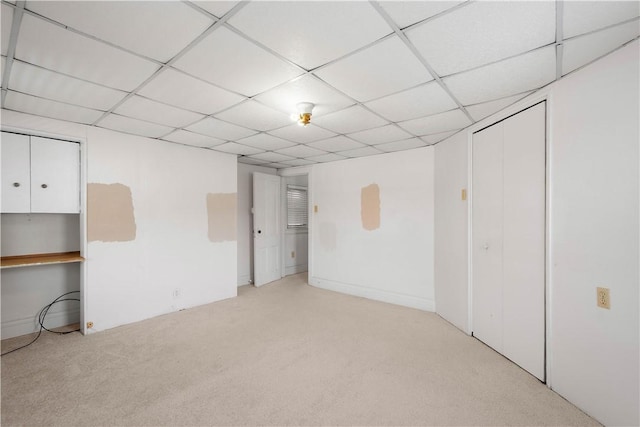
(39, 259)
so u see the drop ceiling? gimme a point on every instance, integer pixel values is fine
(226, 76)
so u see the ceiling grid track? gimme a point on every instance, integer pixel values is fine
(418, 55)
(131, 107)
(11, 52)
(559, 36)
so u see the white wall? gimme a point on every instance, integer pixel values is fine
(451, 230)
(393, 263)
(245, 220)
(593, 240)
(296, 241)
(135, 280)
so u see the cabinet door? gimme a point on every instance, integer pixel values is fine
(16, 185)
(55, 176)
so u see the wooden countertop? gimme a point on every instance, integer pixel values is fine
(39, 259)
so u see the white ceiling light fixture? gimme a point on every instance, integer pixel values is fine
(303, 118)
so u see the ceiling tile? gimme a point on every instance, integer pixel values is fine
(5, 31)
(505, 78)
(338, 143)
(405, 13)
(235, 148)
(228, 60)
(271, 157)
(384, 68)
(37, 81)
(192, 138)
(307, 88)
(450, 120)
(579, 17)
(220, 129)
(301, 151)
(134, 126)
(168, 26)
(437, 137)
(57, 49)
(330, 157)
(152, 111)
(193, 94)
(254, 115)
(580, 51)
(352, 119)
(484, 32)
(420, 101)
(361, 152)
(380, 135)
(311, 33)
(46, 108)
(250, 161)
(266, 142)
(405, 144)
(485, 109)
(298, 162)
(217, 8)
(302, 134)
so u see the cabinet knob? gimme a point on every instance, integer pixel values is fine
(44, 186)
(16, 184)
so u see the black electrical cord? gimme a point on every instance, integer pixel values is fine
(42, 315)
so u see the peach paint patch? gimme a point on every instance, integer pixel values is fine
(110, 216)
(222, 215)
(370, 207)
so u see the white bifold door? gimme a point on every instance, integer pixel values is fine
(508, 238)
(266, 229)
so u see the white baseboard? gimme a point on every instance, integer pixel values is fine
(295, 269)
(425, 304)
(17, 327)
(244, 280)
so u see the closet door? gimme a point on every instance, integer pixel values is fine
(524, 239)
(487, 236)
(509, 238)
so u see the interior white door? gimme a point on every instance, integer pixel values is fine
(266, 229)
(509, 238)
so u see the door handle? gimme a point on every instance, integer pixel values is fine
(486, 247)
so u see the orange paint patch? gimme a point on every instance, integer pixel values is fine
(370, 207)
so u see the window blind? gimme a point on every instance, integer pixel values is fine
(297, 211)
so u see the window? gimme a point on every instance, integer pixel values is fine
(297, 211)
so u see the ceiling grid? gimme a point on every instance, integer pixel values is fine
(384, 76)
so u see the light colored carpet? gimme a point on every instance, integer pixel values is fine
(282, 354)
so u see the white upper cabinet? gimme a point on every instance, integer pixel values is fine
(55, 176)
(47, 171)
(16, 179)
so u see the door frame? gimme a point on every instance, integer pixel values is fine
(297, 171)
(544, 95)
